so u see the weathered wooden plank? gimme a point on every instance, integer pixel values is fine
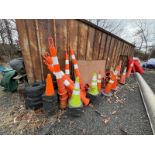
(72, 31)
(90, 41)
(34, 51)
(82, 41)
(97, 43)
(110, 52)
(117, 60)
(42, 37)
(24, 44)
(114, 53)
(107, 46)
(61, 40)
(102, 46)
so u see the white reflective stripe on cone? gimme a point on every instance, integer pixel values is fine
(75, 66)
(111, 81)
(67, 71)
(76, 85)
(99, 76)
(62, 73)
(66, 61)
(93, 83)
(66, 83)
(58, 75)
(99, 81)
(55, 60)
(73, 56)
(94, 78)
(115, 72)
(76, 92)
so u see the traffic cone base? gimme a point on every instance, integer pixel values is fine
(105, 94)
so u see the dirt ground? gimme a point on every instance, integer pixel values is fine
(121, 114)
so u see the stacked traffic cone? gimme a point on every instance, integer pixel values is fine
(118, 68)
(115, 78)
(62, 91)
(67, 71)
(108, 88)
(123, 77)
(49, 99)
(64, 82)
(99, 82)
(49, 91)
(93, 90)
(129, 70)
(76, 68)
(75, 103)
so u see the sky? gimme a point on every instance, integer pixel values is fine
(130, 27)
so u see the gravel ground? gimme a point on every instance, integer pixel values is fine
(121, 114)
(149, 77)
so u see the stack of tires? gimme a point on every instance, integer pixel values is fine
(50, 104)
(34, 95)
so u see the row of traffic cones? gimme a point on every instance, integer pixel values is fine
(114, 77)
(74, 95)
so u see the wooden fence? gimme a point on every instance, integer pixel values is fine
(87, 40)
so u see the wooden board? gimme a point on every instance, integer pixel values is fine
(97, 43)
(23, 37)
(34, 50)
(72, 29)
(87, 68)
(110, 52)
(102, 46)
(90, 42)
(61, 40)
(82, 41)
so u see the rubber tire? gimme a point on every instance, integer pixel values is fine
(50, 99)
(33, 105)
(34, 99)
(35, 89)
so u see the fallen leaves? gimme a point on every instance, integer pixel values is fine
(106, 120)
(114, 112)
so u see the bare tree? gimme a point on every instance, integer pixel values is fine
(7, 36)
(142, 34)
(111, 25)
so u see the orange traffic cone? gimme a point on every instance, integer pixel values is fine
(49, 86)
(118, 68)
(129, 70)
(108, 88)
(123, 77)
(114, 86)
(76, 68)
(63, 96)
(99, 81)
(67, 71)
